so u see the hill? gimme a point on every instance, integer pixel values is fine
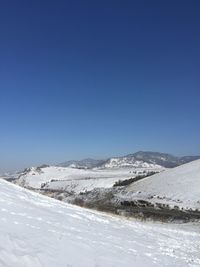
(140, 159)
(39, 231)
(179, 186)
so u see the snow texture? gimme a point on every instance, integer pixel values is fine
(78, 180)
(178, 186)
(37, 231)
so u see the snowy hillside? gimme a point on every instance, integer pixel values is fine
(140, 159)
(77, 180)
(37, 231)
(179, 186)
(82, 164)
(129, 162)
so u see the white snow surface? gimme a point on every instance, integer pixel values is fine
(129, 162)
(81, 185)
(178, 186)
(37, 231)
(78, 180)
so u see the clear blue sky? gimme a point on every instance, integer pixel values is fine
(98, 78)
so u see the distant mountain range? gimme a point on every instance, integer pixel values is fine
(138, 159)
(83, 164)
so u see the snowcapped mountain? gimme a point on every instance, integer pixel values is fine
(82, 164)
(39, 231)
(76, 180)
(81, 176)
(148, 159)
(139, 159)
(130, 162)
(179, 186)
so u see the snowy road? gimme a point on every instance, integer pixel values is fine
(37, 231)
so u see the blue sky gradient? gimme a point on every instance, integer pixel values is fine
(97, 78)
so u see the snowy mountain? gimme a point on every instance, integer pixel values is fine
(81, 176)
(139, 159)
(179, 186)
(148, 159)
(130, 162)
(38, 231)
(82, 164)
(76, 180)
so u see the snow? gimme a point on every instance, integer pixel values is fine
(37, 231)
(77, 179)
(129, 162)
(81, 185)
(179, 186)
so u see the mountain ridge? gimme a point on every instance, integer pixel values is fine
(135, 159)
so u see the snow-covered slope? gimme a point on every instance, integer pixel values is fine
(37, 231)
(82, 164)
(138, 159)
(80, 185)
(179, 186)
(129, 162)
(76, 179)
